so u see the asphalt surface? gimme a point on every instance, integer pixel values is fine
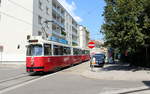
(11, 70)
(74, 80)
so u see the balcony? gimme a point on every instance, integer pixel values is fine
(55, 32)
(74, 27)
(74, 43)
(59, 34)
(60, 40)
(74, 34)
(53, 38)
(58, 23)
(58, 12)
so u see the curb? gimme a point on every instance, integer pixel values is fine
(128, 90)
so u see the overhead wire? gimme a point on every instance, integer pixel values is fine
(17, 4)
(18, 19)
(13, 17)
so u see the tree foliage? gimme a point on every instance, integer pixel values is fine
(127, 24)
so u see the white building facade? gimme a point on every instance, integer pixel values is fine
(20, 18)
(84, 37)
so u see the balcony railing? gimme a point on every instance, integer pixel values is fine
(74, 26)
(60, 40)
(58, 12)
(58, 23)
(59, 34)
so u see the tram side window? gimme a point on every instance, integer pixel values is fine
(76, 51)
(80, 51)
(61, 50)
(87, 52)
(83, 51)
(67, 51)
(47, 49)
(58, 50)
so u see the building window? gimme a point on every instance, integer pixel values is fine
(48, 0)
(41, 5)
(39, 33)
(47, 10)
(39, 20)
(0, 2)
(18, 47)
(28, 37)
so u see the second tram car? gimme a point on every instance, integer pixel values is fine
(44, 56)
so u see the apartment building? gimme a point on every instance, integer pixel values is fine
(84, 36)
(20, 18)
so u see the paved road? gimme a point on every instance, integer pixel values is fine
(11, 70)
(70, 81)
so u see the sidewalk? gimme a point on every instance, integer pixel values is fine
(122, 72)
(118, 72)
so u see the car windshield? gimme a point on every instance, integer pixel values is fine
(34, 50)
(99, 56)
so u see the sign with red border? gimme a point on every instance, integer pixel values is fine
(91, 44)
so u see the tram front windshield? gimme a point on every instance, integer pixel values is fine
(34, 50)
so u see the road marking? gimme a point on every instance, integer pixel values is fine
(25, 83)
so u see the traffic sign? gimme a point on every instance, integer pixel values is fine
(91, 44)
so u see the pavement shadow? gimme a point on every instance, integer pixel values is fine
(147, 83)
(136, 91)
(124, 67)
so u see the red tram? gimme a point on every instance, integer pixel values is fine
(44, 56)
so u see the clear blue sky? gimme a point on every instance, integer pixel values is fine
(91, 12)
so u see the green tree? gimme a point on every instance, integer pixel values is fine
(127, 26)
(121, 28)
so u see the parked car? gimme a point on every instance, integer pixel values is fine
(97, 60)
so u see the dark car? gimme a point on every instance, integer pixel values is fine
(97, 60)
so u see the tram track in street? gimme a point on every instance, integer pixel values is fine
(16, 80)
(14, 77)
